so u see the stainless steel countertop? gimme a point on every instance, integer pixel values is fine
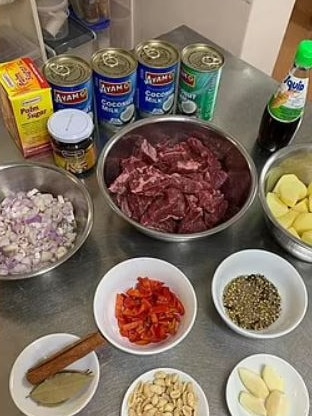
(62, 300)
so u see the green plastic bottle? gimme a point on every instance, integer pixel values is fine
(283, 113)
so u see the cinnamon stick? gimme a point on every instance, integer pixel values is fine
(63, 358)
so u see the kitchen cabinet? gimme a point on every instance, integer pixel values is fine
(20, 31)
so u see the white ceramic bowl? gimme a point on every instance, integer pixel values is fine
(287, 280)
(203, 407)
(122, 277)
(39, 350)
(295, 389)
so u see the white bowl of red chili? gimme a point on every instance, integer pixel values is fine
(145, 306)
(176, 178)
(259, 294)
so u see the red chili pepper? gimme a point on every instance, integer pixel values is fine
(149, 312)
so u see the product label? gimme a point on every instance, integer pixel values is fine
(287, 104)
(198, 92)
(114, 99)
(76, 161)
(26, 103)
(80, 97)
(156, 89)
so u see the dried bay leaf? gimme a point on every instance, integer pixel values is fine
(61, 387)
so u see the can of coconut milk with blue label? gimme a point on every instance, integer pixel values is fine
(114, 79)
(158, 71)
(70, 78)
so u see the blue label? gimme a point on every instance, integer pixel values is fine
(79, 97)
(114, 99)
(156, 89)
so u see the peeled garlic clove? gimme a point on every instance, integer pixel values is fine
(253, 383)
(276, 404)
(272, 379)
(252, 404)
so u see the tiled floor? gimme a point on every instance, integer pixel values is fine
(299, 28)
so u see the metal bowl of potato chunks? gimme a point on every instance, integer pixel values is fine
(285, 191)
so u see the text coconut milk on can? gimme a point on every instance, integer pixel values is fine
(70, 78)
(157, 77)
(114, 77)
(200, 74)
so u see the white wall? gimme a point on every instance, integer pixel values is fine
(222, 21)
(265, 30)
(250, 29)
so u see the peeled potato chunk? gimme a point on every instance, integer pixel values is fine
(293, 232)
(276, 404)
(287, 219)
(306, 237)
(309, 189)
(310, 203)
(302, 206)
(253, 383)
(303, 222)
(277, 207)
(252, 403)
(290, 189)
(272, 379)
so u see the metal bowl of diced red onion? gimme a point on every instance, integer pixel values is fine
(176, 178)
(46, 214)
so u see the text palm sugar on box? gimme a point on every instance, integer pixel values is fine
(26, 104)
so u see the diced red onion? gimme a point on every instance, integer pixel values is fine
(36, 230)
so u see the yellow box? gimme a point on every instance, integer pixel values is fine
(26, 102)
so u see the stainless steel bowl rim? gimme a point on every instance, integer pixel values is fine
(174, 236)
(79, 241)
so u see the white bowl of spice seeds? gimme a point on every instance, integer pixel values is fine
(259, 294)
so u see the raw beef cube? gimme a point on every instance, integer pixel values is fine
(187, 166)
(147, 152)
(131, 163)
(213, 218)
(120, 184)
(185, 184)
(216, 177)
(134, 205)
(210, 201)
(170, 205)
(193, 222)
(148, 181)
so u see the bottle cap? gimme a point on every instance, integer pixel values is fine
(303, 58)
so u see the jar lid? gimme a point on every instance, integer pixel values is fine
(70, 125)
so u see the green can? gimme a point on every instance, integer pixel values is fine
(200, 74)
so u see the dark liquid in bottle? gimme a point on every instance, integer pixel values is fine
(274, 134)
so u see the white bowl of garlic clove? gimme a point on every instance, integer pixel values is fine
(265, 384)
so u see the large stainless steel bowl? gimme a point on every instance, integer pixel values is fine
(46, 178)
(296, 159)
(234, 157)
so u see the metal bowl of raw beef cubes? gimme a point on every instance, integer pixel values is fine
(176, 178)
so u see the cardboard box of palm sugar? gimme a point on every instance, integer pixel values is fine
(26, 103)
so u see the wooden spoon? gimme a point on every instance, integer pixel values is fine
(63, 358)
